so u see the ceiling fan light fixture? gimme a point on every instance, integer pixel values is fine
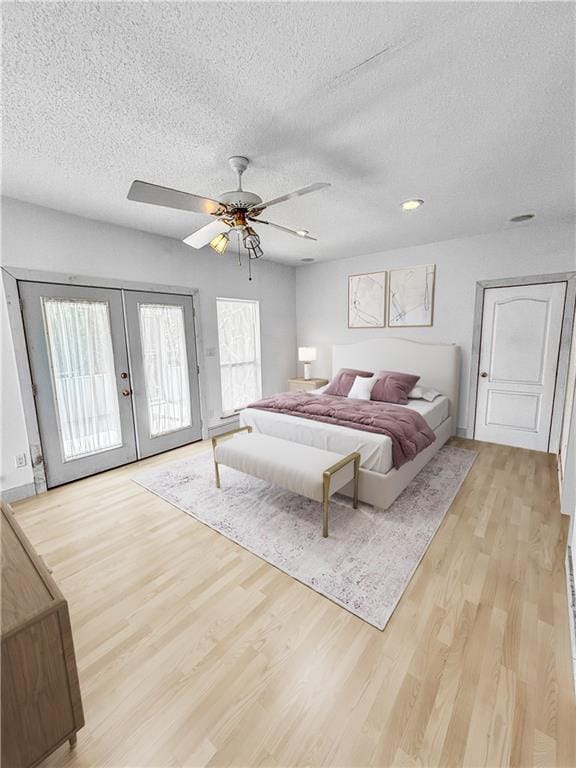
(412, 204)
(220, 243)
(255, 251)
(251, 238)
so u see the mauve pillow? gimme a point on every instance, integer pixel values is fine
(341, 384)
(393, 387)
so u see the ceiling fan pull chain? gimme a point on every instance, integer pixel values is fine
(238, 248)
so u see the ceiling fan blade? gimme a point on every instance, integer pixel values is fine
(204, 235)
(298, 232)
(298, 193)
(143, 192)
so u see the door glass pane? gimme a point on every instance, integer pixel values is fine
(82, 364)
(165, 367)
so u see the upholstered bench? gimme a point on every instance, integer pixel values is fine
(311, 472)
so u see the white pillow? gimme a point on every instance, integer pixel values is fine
(362, 387)
(318, 391)
(424, 393)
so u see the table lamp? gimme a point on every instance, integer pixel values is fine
(306, 355)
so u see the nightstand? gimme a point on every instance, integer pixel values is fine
(305, 385)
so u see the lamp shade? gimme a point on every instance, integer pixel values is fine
(220, 243)
(306, 354)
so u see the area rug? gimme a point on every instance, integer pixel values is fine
(369, 557)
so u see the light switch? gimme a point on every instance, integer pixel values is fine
(21, 460)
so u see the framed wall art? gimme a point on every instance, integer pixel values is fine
(367, 300)
(411, 296)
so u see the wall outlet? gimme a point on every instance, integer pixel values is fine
(21, 460)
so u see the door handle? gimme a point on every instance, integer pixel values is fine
(126, 392)
(484, 374)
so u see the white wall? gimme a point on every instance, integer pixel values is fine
(568, 446)
(322, 289)
(568, 506)
(569, 478)
(41, 238)
(13, 438)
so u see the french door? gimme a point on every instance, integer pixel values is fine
(114, 373)
(165, 390)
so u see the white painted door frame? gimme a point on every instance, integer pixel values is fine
(564, 353)
(10, 278)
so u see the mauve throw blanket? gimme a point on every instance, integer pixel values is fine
(407, 429)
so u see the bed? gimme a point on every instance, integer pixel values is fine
(380, 483)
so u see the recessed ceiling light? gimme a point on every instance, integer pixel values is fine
(411, 205)
(522, 217)
(307, 260)
(302, 232)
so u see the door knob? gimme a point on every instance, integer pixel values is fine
(123, 375)
(126, 392)
(483, 374)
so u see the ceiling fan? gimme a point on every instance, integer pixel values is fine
(233, 211)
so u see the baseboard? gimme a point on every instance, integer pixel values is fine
(462, 431)
(10, 495)
(571, 591)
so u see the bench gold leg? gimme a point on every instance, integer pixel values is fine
(355, 457)
(215, 441)
(356, 480)
(325, 503)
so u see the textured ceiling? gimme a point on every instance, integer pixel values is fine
(467, 105)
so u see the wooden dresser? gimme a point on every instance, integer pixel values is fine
(41, 704)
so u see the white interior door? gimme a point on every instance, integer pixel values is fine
(521, 328)
(78, 358)
(165, 389)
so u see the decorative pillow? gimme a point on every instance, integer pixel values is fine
(424, 393)
(341, 384)
(362, 387)
(393, 387)
(319, 390)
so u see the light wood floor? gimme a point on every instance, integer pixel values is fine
(193, 652)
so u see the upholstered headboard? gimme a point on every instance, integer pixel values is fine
(438, 365)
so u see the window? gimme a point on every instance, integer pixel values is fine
(239, 343)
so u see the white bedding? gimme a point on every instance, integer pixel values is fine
(375, 450)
